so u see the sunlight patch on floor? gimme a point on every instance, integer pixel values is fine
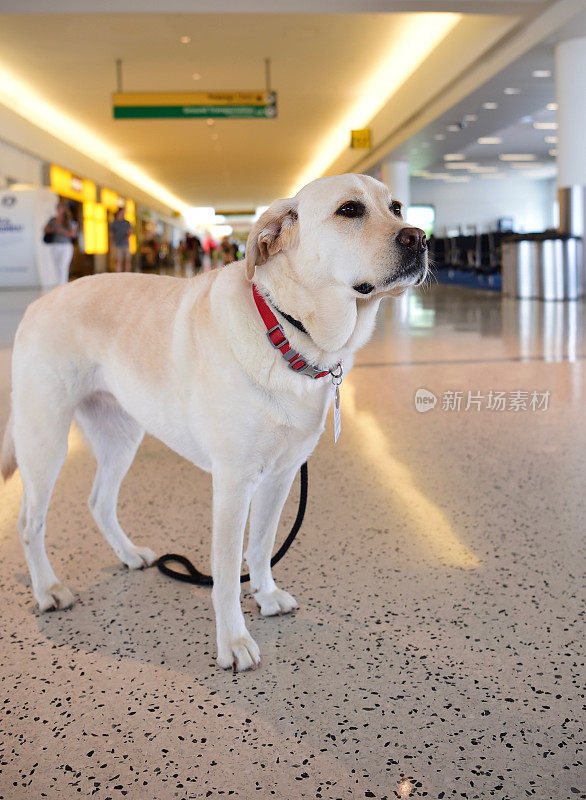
(428, 519)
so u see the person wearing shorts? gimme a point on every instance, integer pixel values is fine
(120, 233)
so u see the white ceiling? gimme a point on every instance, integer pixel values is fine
(512, 121)
(269, 6)
(319, 64)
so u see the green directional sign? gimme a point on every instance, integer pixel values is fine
(194, 105)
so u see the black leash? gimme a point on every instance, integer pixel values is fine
(197, 577)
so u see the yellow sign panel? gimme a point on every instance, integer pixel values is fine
(95, 228)
(68, 185)
(130, 212)
(190, 98)
(360, 139)
(110, 199)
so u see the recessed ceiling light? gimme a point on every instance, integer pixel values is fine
(541, 73)
(533, 165)
(458, 179)
(490, 106)
(481, 170)
(553, 152)
(454, 127)
(493, 175)
(550, 139)
(209, 122)
(470, 118)
(545, 126)
(510, 90)
(517, 157)
(440, 137)
(461, 165)
(490, 140)
(196, 76)
(552, 106)
(454, 157)
(185, 39)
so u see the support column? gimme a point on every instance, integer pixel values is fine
(570, 74)
(396, 176)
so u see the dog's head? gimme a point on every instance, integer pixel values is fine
(345, 232)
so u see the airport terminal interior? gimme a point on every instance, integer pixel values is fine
(437, 649)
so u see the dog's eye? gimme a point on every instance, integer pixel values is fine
(351, 209)
(396, 208)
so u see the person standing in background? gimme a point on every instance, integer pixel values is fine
(60, 232)
(120, 232)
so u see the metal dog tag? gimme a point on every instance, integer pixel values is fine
(337, 414)
(337, 374)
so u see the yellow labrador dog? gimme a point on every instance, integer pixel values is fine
(200, 365)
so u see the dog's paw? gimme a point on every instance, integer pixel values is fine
(275, 602)
(55, 597)
(138, 558)
(239, 654)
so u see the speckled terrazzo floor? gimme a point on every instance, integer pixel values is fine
(439, 639)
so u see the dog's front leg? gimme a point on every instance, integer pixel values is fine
(265, 512)
(232, 497)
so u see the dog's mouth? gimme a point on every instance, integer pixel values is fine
(411, 273)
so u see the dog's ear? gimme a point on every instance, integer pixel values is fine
(273, 232)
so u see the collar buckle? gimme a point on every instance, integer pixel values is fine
(277, 345)
(310, 370)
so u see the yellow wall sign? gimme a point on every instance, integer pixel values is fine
(68, 185)
(360, 139)
(95, 228)
(110, 199)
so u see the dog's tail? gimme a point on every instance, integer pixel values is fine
(8, 463)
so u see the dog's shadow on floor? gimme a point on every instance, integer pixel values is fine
(147, 617)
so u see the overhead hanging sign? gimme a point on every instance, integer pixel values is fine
(194, 105)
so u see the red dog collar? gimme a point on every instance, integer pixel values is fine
(276, 336)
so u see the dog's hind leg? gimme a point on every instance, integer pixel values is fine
(40, 438)
(114, 437)
(265, 512)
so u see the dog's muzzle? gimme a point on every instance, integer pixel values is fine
(412, 244)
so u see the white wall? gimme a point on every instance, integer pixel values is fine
(15, 130)
(18, 166)
(483, 201)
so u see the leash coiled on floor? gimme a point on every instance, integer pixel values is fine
(193, 575)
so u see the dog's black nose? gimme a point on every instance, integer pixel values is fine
(412, 238)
